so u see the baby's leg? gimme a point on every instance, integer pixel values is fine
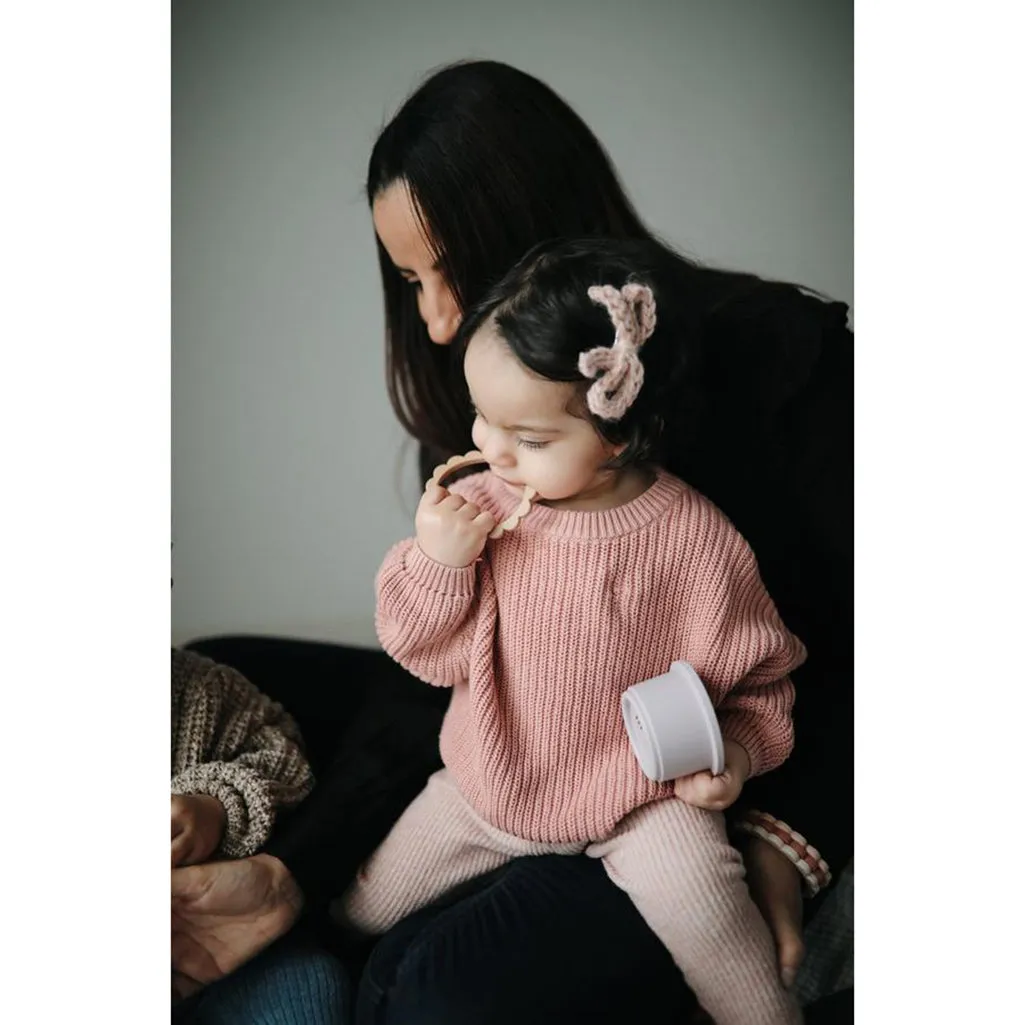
(679, 869)
(438, 843)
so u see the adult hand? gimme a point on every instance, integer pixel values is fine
(197, 825)
(449, 529)
(775, 885)
(715, 793)
(223, 913)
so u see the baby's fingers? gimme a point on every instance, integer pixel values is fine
(485, 521)
(434, 494)
(453, 502)
(689, 788)
(703, 790)
(468, 511)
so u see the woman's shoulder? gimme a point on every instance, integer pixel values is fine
(771, 405)
(768, 343)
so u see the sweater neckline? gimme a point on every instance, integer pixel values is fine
(542, 520)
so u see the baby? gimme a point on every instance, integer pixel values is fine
(573, 364)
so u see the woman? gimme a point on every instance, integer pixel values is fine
(481, 163)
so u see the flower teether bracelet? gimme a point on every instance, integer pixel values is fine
(474, 458)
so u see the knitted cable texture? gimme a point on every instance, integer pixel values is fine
(232, 742)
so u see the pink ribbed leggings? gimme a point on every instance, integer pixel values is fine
(673, 861)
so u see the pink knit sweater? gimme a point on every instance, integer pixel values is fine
(542, 635)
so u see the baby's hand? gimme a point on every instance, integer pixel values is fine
(197, 825)
(449, 529)
(715, 793)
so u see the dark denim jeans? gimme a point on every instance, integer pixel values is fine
(295, 981)
(543, 940)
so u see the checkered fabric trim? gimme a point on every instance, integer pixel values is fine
(812, 866)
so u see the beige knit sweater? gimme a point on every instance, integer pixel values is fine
(232, 742)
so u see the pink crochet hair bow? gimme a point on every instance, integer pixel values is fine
(617, 369)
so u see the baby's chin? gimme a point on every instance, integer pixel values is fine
(543, 493)
(513, 482)
(537, 494)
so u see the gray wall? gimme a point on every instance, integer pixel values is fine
(731, 124)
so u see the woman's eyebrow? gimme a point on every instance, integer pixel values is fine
(436, 266)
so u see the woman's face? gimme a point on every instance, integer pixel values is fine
(397, 227)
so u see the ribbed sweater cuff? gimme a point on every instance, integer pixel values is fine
(749, 735)
(434, 576)
(242, 835)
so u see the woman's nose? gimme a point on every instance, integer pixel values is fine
(440, 312)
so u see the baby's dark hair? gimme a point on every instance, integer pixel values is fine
(542, 311)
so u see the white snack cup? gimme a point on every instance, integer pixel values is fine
(672, 725)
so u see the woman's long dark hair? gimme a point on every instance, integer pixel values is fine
(495, 162)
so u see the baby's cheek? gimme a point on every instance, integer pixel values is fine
(477, 434)
(552, 481)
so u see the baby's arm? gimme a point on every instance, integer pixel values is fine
(427, 589)
(237, 746)
(756, 714)
(746, 667)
